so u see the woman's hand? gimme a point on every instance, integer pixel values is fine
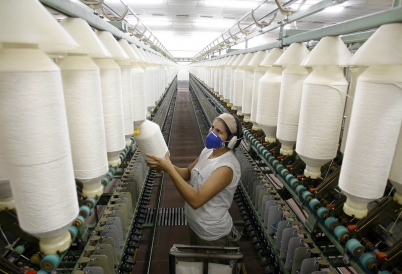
(160, 164)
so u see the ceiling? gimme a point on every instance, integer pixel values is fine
(185, 27)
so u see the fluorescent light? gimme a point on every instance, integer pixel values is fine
(242, 4)
(335, 9)
(213, 23)
(215, 3)
(148, 23)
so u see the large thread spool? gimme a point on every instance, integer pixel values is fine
(238, 89)
(139, 100)
(238, 73)
(268, 102)
(216, 79)
(372, 137)
(248, 72)
(237, 80)
(257, 75)
(291, 92)
(395, 175)
(247, 92)
(227, 77)
(6, 195)
(32, 104)
(266, 63)
(111, 78)
(83, 99)
(138, 78)
(127, 95)
(150, 140)
(150, 87)
(289, 106)
(321, 112)
(113, 115)
(374, 130)
(121, 59)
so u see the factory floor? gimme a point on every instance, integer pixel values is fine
(185, 146)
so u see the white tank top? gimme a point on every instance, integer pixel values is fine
(212, 220)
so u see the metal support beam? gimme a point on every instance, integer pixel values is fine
(355, 25)
(77, 9)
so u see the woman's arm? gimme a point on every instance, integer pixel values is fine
(185, 172)
(219, 179)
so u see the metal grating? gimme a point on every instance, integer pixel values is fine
(167, 216)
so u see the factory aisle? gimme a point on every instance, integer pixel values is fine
(185, 146)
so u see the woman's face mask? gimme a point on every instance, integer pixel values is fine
(213, 141)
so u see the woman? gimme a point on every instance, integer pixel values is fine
(213, 176)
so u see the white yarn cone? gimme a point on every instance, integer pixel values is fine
(227, 77)
(247, 93)
(237, 80)
(112, 97)
(127, 93)
(139, 99)
(150, 140)
(319, 56)
(121, 58)
(237, 95)
(112, 45)
(85, 37)
(265, 64)
(377, 52)
(247, 87)
(113, 115)
(30, 23)
(41, 170)
(321, 113)
(257, 75)
(83, 98)
(138, 84)
(290, 95)
(268, 102)
(395, 175)
(289, 106)
(6, 195)
(372, 137)
(150, 87)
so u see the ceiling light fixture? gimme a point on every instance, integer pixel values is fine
(334, 9)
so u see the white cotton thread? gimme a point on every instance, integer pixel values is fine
(41, 170)
(150, 140)
(373, 134)
(221, 80)
(237, 95)
(150, 86)
(83, 99)
(139, 100)
(293, 77)
(232, 81)
(268, 102)
(216, 79)
(226, 83)
(321, 113)
(258, 73)
(247, 91)
(112, 102)
(127, 93)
